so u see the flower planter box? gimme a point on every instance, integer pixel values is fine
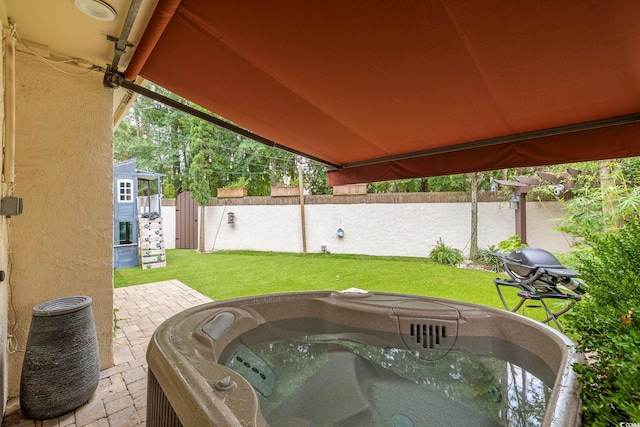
(285, 190)
(341, 190)
(224, 193)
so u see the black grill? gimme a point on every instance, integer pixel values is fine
(538, 275)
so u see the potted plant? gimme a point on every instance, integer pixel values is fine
(282, 190)
(237, 188)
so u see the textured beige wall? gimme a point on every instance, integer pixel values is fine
(4, 243)
(62, 244)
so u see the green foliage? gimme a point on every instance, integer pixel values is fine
(607, 326)
(599, 201)
(157, 136)
(205, 156)
(511, 244)
(399, 186)
(494, 263)
(116, 319)
(630, 169)
(169, 141)
(602, 217)
(610, 378)
(458, 182)
(315, 179)
(241, 182)
(449, 183)
(491, 262)
(446, 255)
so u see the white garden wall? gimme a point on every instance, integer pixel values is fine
(402, 229)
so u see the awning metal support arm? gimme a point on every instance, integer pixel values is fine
(121, 43)
(114, 80)
(543, 133)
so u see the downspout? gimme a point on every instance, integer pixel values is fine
(9, 142)
(9, 343)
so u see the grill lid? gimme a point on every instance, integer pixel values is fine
(524, 262)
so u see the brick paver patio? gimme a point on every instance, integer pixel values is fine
(120, 400)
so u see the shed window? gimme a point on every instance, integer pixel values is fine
(125, 191)
(126, 232)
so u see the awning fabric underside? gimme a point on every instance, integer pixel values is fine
(364, 84)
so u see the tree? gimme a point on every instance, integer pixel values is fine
(596, 207)
(315, 178)
(201, 188)
(158, 137)
(435, 184)
(474, 183)
(204, 169)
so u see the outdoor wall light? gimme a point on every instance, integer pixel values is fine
(230, 218)
(514, 201)
(340, 233)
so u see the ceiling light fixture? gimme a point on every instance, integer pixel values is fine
(97, 9)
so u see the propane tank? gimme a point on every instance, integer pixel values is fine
(577, 286)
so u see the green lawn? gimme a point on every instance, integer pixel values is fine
(223, 275)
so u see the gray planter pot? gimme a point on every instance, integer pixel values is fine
(61, 365)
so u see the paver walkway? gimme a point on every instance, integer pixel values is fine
(120, 399)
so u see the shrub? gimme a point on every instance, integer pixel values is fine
(606, 326)
(506, 246)
(491, 262)
(446, 255)
(241, 182)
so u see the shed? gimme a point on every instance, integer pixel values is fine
(135, 192)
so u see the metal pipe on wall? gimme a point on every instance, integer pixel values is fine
(9, 142)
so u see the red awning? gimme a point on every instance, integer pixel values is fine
(391, 89)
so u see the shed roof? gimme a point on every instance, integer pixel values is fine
(130, 165)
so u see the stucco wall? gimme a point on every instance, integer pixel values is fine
(402, 229)
(62, 244)
(4, 257)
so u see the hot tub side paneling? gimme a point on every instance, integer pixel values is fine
(186, 372)
(159, 409)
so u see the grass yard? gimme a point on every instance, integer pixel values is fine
(223, 275)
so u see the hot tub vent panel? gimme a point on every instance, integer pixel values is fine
(428, 335)
(432, 337)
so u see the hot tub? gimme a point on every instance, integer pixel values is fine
(358, 359)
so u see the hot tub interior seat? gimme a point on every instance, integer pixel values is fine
(325, 380)
(349, 390)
